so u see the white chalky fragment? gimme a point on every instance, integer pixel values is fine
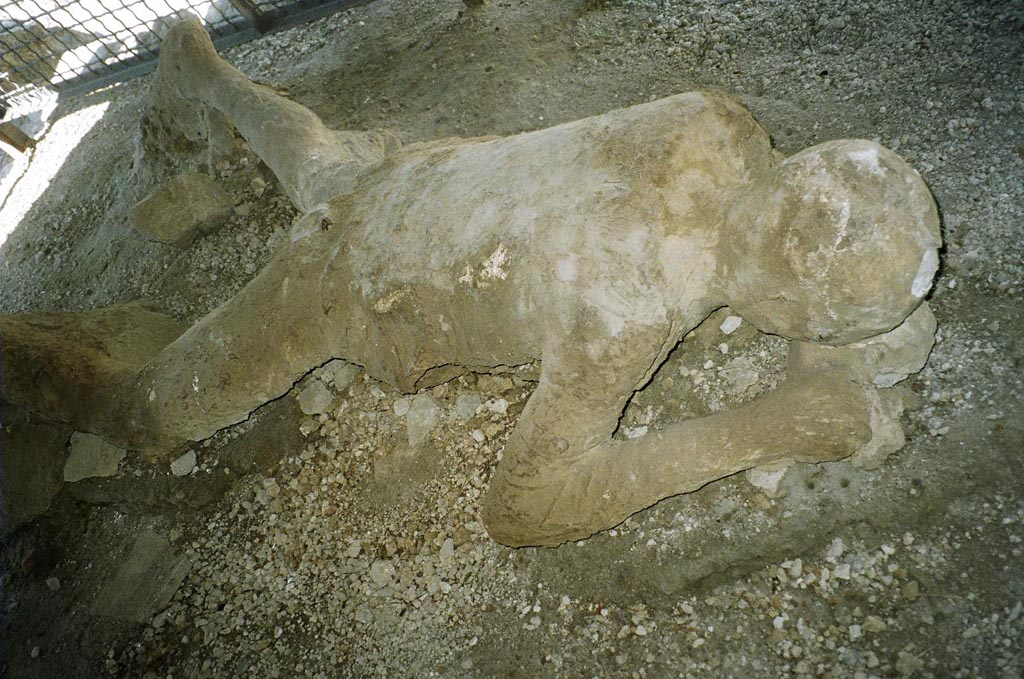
(730, 324)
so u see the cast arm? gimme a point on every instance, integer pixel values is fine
(555, 484)
(563, 477)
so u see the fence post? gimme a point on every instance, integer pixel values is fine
(254, 14)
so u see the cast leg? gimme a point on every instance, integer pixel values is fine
(250, 350)
(312, 162)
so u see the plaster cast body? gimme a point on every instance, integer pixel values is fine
(594, 247)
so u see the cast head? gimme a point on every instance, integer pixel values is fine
(838, 243)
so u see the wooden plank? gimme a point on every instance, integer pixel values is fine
(12, 135)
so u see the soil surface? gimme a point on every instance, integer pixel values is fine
(348, 543)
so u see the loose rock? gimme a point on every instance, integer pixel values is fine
(91, 456)
(182, 209)
(421, 419)
(184, 465)
(315, 398)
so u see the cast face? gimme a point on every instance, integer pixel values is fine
(844, 247)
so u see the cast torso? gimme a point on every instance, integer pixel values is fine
(479, 253)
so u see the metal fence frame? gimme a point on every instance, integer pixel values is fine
(42, 36)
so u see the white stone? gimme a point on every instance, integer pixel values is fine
(447, 552)
(401, 406)
(886, 431)
(497, 405)
(466, 406)
(730, 324)
(768, 481)
(421, 418)
(925, 274)
(635, 432)
(873, 623)
(835, 550)
(740, 374)
(382, 573)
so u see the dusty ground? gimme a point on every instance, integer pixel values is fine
(330, 546)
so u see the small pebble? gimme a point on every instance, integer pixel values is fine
(730, 324)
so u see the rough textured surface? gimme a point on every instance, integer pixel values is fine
(184, 465)
(835, 244)
(931, 536)
(179, 211)
(313, 163)
(421, 418)
(90, 456)
(67, 364)
(315, 398)
(144, 584)
(884, 360)
(33, 453)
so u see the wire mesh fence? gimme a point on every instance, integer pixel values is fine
(79, 45)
